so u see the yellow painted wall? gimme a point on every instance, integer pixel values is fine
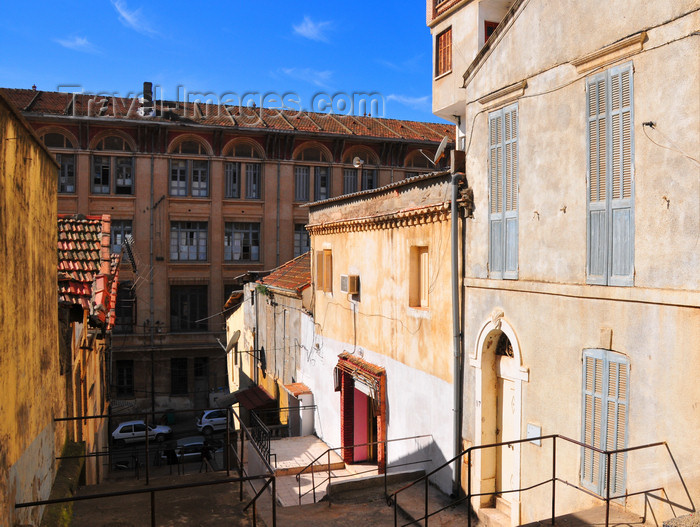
(380, 318)
(30, 381)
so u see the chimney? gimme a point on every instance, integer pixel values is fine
(147, 96)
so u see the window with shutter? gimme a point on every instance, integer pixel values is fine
(319, 270)
(610, 247)
(419, 277)
(605, 409)
(324, 270)
(503, 193)
(327, 270)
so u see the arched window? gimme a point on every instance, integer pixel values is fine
(419, 163)
(308, 176)
(243, 176)
(189, 177)
(365, 171)
(190, 147)
(66, 176)
(417, 160)
(115, 143)
(56, 140)
(113, 174)
(245, 149)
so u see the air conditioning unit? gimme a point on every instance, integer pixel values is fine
(350, 284)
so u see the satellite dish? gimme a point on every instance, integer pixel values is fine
(441, 150)
(357, 162)
(234, 338)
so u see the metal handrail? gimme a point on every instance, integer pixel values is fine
(392, 499)
(327, 453)
(269, 481)
(261, 436)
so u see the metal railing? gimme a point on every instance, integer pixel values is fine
(327, 453)
(285, 421)
(269, 480)
(393, 498)
(260, 435)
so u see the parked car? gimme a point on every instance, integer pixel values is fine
(185, 449)
(211, 420)
(135, 431)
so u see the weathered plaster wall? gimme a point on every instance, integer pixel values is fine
(30, 379)
(555, 315)
(664, 400)
(279, 326)
(425, 409)
(552, 153)
(380, 318)
(413, 344)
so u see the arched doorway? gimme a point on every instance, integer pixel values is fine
(498, 415)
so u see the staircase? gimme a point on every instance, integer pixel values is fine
(498, 516)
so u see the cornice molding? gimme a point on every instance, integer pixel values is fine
(405, 218)
(608, 54)
(505, 95)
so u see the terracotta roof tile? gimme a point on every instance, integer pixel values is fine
(82, 264)
(58, 103)
(297, 389)
(295, 275)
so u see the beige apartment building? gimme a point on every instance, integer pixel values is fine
(201, 198)
(581, 127)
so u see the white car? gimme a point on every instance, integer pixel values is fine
(135, 431)
(210, 421)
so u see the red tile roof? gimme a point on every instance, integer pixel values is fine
(87, 271)
(254, 398)
(297, 389)
(262, 119)
(295, 275)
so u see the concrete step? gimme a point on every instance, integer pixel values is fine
(492, 517)
(291, 471)
(503, 505)
(411, 507)
(338, 489)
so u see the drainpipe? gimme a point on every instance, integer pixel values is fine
(277, 259)
(151, 301)
(456, 331)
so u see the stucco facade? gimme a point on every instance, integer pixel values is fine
(388, 328)
(552, 308)
(270, 347)
(31, 379)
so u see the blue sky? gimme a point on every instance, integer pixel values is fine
(306, 48)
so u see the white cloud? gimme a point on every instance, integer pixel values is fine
(133, 19)
(312, 30)
(317, 77)
(77, 44)
(418, 103)
(412, 64)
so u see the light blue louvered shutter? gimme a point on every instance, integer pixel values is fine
(593, 408)
(617, 402)
(496, 195)
(510, 192)
(597, 222)
(605, 411)
(621, 219)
